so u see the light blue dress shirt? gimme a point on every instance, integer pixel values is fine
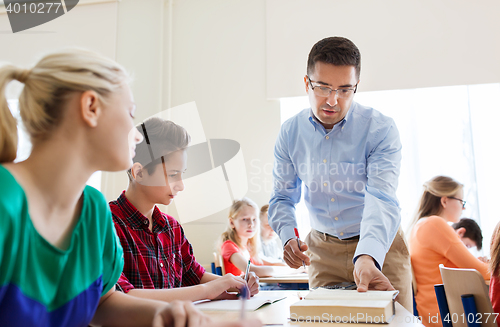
(350, 175)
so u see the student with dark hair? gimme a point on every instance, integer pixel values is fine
(434, 242)
(159, 260)
(347, 157)
(469, 232)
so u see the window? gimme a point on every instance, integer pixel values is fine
(444, 131)
(24, 144)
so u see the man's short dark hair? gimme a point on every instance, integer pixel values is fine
(337, 51)
(472, 230)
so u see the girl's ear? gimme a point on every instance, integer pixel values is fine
(90, 108)
(444, 201)
(231, 223)
(137, 172)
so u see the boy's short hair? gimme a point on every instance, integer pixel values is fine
(161, 138)
(472, 230)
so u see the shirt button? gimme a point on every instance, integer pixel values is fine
(161, 264)
(327, 137)
(336, 218)
(341, 234)
(146, 222)
(332, 199)
(325, 184)
(324, 160)
(342, 127)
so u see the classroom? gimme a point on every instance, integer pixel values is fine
(231, 72)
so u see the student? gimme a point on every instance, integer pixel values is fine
(434, 242)
(495, 269)
(469, 232)
(59, 255)
(271, 249)
(159, 260)
(240, 241)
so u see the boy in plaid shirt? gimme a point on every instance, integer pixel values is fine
(159, 260)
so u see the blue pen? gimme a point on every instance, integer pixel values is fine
(243, 294)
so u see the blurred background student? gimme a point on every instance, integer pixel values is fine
(434, 242)
(271, 248)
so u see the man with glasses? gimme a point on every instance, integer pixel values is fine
(347, 157)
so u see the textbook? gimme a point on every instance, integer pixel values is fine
(347, 306)
(251, 304)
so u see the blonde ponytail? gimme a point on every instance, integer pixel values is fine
(46, 89)
(8, 124)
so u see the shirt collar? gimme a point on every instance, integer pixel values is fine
(316, 123)
(135, 218)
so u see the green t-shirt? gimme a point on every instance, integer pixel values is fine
(41, 285)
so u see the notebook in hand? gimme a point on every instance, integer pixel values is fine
(252, 304)
(334, 305)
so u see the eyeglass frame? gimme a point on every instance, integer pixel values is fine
(463, 201)
(331, 90)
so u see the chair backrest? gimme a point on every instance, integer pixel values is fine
(458, 282)
(219, 263)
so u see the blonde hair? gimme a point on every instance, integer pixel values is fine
(495, 251)
(253, 245)
(47, 87)
(434, 190)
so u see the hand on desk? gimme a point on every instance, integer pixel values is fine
(217, 289)
(184, 314)
(294, 256)
(367, 276)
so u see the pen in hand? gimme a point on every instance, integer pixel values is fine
(247, 271)
(298, 243)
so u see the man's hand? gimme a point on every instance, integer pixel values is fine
(368, 277)
(293, 256)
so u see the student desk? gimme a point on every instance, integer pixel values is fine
(277, 314)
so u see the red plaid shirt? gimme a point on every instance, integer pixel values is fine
(159, 259)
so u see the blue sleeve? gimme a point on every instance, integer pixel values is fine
(286, 190)
(381, 214)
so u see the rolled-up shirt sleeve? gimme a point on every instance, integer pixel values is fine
(381, 214)
(286, 190)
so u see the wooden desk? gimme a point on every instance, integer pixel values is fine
(299, 278)
(278, 314)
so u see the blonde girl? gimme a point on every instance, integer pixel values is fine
(59, 255)
(433, 242)
(240, 242)
(495, 269)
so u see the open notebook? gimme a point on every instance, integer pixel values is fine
(251, 304)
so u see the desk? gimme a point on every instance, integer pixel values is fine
(277, 314)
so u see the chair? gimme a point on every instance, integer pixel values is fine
(219, 264)
(458, 282)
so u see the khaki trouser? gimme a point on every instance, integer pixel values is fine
(331, 263)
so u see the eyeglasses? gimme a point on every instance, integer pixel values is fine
(325, 91)
(463, 202)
